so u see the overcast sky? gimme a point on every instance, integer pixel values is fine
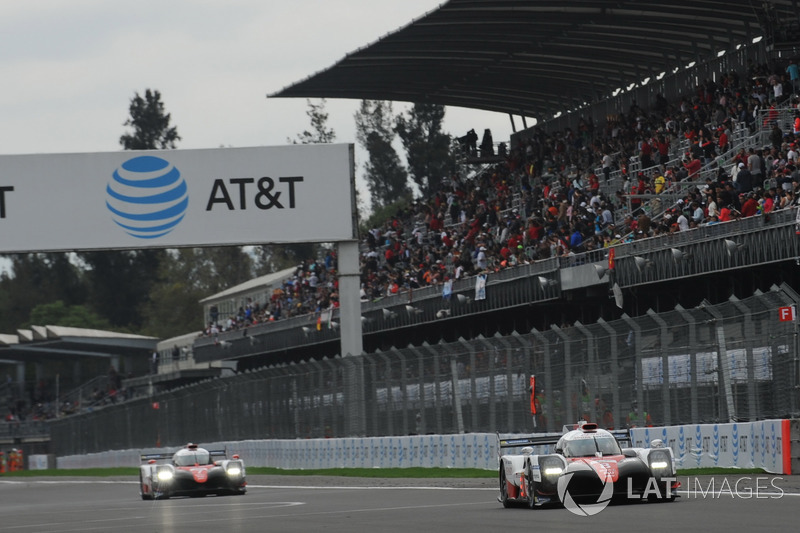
(69, 68)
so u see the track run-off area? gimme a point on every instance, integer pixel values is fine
(335, 504)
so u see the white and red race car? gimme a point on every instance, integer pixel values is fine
(585, 470)
(191, 471)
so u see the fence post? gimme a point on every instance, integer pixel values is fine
(569, 409)
(692, 324)
(548, 380)
(637, 354)
(665, 382)
(615, 407)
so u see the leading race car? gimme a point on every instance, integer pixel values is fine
(191, 471)
(586, 467)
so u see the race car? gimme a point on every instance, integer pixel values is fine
(191, 471)
(586, 467)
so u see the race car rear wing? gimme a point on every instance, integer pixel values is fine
(533, 440)
(147, 457)
(622, 436)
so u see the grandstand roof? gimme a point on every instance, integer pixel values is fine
(276, 278)
(535, 58)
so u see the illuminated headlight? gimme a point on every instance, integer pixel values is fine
(553, 470)
(234, 471)
(659, 461)
(164, 474)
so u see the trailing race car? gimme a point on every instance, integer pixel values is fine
(191, 471)
(585, 471)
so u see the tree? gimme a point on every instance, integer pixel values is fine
(75, 316)
(427, 146)
(320, 133)
(38, 278)
(387, 180)
(151, 129)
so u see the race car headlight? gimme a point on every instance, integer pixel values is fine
(234, 471)
(551, 466)
(165, 474)
(659, 461)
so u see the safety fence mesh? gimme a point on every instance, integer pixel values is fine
(713, 363)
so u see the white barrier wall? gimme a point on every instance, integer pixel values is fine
(763, 444)
(472, 450)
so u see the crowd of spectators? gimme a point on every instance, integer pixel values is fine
(552, 194)
(312, 288)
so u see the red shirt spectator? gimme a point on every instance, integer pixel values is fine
(749, 207)
(693, 167)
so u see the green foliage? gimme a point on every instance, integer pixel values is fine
(120, 283)
(185, 277)
(319, 134)
(427, 147)
(151, 129)
(74, 316)
(37, 278)
(386, 178)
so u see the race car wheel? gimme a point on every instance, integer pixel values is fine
(530, 488)
(144, 495)
(504, 489)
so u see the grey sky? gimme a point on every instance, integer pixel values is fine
(70, 67)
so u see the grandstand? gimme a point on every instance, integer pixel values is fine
(683, 323)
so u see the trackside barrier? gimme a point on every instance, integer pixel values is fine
(773, 445)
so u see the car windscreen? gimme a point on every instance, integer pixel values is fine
(191, 458)
(587, 447)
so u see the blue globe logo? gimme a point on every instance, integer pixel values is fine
(147, 197)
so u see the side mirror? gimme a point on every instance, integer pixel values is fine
(629, 453)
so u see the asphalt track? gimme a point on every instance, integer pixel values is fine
(331, 504)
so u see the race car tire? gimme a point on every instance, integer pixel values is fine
(504, 489)
(144, 495)
(530, 488)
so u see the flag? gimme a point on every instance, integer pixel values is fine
(533, 395)
(319, 321)
(447, 289)
(480, 287)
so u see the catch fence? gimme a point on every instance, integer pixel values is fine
(734, 361)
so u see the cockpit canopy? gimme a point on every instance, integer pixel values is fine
(190, 456)
(589, 445)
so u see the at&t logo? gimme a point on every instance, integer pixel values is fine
(147, 197)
